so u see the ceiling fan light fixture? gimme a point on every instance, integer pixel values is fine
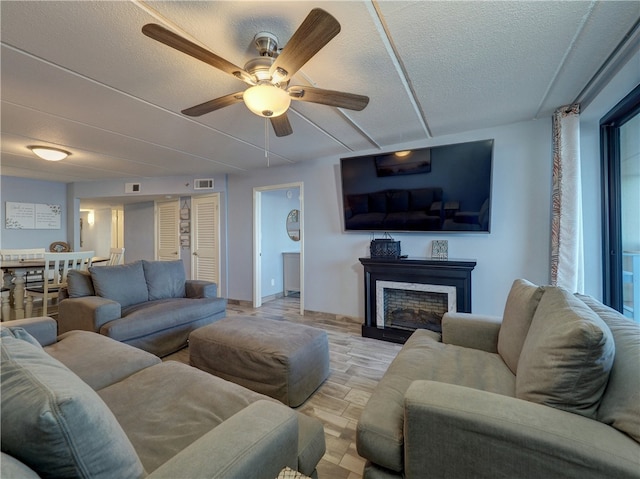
(266, 100)
(48, 153)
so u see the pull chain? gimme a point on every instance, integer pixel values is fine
(266, 140)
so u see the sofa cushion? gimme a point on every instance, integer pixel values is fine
(124, 283)
(79, 284)
(161, 315)
(378, 202)
(398, 201)
(191, 404)
(56, 424)
(567, 356)
(521, 304)
(165, 279)
(359, 204)
(620, 402)
(97, 360)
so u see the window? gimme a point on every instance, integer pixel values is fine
(620, 150)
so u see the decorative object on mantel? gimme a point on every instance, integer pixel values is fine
(440, 249)
(385, 247)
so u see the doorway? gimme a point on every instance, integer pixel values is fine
(273, 243)
(205, 248)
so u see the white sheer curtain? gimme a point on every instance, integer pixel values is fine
(567, 259)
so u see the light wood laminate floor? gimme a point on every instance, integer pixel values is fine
(357, 364)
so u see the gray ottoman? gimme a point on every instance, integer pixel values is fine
(284, 360)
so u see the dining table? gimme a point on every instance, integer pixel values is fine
(14, 272)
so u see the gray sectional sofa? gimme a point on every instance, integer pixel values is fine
(147, 304)
(551, 389)
(84, 405)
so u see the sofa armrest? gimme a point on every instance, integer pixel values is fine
(455, 431)
(43, 328)
(257, 442)
(471, 331)
(88, 313)
(195, 288)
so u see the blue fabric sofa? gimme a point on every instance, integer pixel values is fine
(147, 304)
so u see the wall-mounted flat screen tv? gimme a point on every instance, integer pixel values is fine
(441, 188)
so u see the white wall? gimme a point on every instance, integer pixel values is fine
(518, 245)
(139, 224)
(97, 237)
(610, 96)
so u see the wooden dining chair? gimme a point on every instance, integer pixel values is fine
(116, 257)
(60, 263)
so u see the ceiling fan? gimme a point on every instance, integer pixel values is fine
(269, 94)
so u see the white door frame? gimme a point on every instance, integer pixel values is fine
(257, 236)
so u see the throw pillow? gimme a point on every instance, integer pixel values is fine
(620, 402)
(19, 333)
(79, 284)
(55, 423)
(521, 304)
(124, 283)
(567, 356)
(165, 279)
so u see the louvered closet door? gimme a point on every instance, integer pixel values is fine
(168, 233)
(206, 233)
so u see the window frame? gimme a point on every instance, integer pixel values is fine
(610, 126)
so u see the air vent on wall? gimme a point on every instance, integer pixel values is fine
(132, 187)
(203, 184)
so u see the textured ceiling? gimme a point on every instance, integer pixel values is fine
(81, 76)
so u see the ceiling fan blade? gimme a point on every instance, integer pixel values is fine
(281, 125)
(212, 105)
(314, 33)
(341, 99)
(162, 35)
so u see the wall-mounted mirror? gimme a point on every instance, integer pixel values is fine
(293, 225)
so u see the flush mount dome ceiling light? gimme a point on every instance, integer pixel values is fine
(48, 153)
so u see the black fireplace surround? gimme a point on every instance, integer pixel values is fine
(453, 272)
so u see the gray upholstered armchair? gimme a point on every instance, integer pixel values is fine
(550, 390)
